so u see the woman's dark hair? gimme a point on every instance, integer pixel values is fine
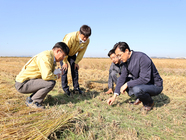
(111, 52)
(122, 46)
(62, 46)
(85, 30)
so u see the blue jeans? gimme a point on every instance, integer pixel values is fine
(144, 92)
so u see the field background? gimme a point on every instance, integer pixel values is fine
(88, 116)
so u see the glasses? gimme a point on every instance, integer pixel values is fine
(120, 55)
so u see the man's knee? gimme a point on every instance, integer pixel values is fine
(136, 91)
(19, 86)
(51, 84)
(113, 74)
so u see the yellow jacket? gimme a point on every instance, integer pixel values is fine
(40, 66)
(72, 41)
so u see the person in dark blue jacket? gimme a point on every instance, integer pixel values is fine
(145, 81)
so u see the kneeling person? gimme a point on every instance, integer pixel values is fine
(37, 75)
(114, 71)
(146, 80)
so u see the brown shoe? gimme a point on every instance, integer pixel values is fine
(137, 102)
(149, 107)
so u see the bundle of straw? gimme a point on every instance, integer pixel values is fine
(39, 125)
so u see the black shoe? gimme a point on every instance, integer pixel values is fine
(148, 107)
(77, 90)
(67, 93)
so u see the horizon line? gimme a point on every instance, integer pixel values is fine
(108, 57)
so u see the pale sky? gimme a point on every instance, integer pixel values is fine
(155, 27)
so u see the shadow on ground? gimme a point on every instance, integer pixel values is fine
(159, 100)
(62, 98)
(99, 81)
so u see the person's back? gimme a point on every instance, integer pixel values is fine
(143, 70)
(73, 42)
(32, 69)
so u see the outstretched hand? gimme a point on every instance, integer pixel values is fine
(58, 75)
(111, 99)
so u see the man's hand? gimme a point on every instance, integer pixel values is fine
(58, 75)
(109, 91)
(123, 88)
(111, 99)
(76, 66)
(65, 67)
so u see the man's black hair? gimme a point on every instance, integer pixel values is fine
(122, 46)
(111, 52)
(62, 46)
(115, 46)
(85, 30)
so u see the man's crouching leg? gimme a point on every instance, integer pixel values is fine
(39, 95)
(39, 89)
(141, 93)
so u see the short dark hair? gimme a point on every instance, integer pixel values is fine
(62, 46)
(122, 46)
(85, 30)
(115, 46)
(111, 52)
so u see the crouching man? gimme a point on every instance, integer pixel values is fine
(37, 75)
(114, 71)
(145, 82)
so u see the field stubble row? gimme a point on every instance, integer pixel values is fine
(103, 121)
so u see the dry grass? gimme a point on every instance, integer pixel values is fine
(88, 116)
(20, 122)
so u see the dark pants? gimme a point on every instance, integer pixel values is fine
(144, 92)
(74, 73)
(38, 87)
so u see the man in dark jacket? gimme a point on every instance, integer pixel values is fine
(145, 82)
(114, 71)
